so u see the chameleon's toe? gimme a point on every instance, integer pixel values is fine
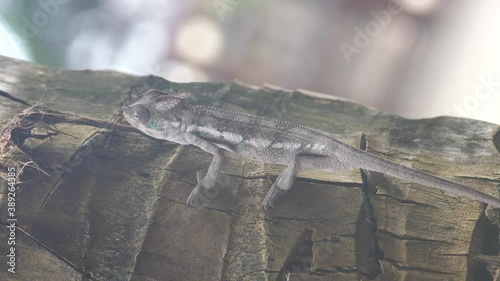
(271, 196)
(274, 193)
(199, 175)
(193, 195)
(267, 205)
(189, 201)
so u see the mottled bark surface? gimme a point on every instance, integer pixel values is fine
(118, 210)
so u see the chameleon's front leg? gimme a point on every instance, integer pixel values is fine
(207, 182)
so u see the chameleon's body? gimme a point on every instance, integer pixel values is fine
(169, 117)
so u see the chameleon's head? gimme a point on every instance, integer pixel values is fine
(156, 113)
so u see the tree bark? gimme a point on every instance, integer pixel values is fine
(96, 200)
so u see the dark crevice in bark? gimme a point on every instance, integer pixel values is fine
(406, 201)
(402, 267)
(300, 258)
(368, 252)
(10, 97)
(412, 238)
(496, 141)
(485, 242)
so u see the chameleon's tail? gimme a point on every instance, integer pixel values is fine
(374, 163)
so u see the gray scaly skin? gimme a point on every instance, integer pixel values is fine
(171, 118)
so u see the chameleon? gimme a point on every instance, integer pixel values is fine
(169, 117)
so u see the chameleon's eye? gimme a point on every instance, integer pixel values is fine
(141, 114)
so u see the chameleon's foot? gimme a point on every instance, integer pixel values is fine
(271, 196)
(197, 190)
(194, 194)
(267, 205)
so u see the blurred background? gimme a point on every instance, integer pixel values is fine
(415, 58)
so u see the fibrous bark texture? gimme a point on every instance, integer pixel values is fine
(96, 200)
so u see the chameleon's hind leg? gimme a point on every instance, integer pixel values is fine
(302, 162)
